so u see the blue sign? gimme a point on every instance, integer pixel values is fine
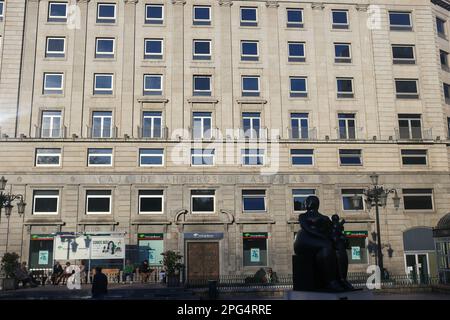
(203, 235)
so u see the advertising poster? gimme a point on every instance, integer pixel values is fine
(356, 253)
(154, 248)
(71, 247)
(43, 257)
(107, 247)
(255, 255)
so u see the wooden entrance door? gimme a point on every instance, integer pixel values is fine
(203, 261)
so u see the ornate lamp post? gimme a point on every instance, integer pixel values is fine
(6, 200)
(376, 195)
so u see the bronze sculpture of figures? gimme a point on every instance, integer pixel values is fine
(321, 261)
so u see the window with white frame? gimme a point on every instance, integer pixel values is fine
(201, 15)
(45, 202)
(406, 88)
(152, 124)
(55, 47)
(104, 47)
(201, 125)
(414, 157)
(418, 199)
(252, 157)
(98, 202)
(202, 157)
(400, 20)
(51, 124)
(440, 27)
(48, 157)
(250, 86)
(254, 201)
(103, 83)
(299, 196)
(345, 87)
(100, 157)
(299, 126)
(443, 55)
(342, 52)
(102, 124)
(249, 50)
(403, 54)
(151, 157)
(106, 13)
(296, 51)
(350, 157)
(153, 48)
(151, 201)
(294, 18)
(446, 88)
(153, 84)
(201, 49)
(2, 9)
(154, 13)
(410, 126)
(340, 19)
(57, 12)
(202, 85)
(302, 157)
(53, 83)
(249, 16)
(347, 125)
(347, 199)
(203, 201)
(298, 87)
(251, 124)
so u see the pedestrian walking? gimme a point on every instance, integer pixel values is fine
(99, 284)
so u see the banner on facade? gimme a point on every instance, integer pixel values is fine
(71, 246)
(107, 247)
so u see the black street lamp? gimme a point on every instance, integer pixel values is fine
(376, 195)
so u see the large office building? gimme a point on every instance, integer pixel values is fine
(201, 125)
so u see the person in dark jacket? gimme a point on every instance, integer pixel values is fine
(99, 284)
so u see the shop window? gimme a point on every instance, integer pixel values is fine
(255, 249)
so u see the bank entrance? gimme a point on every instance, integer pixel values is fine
(203, 261)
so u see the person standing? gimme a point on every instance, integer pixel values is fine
(144, 269)
(128, 271)
(99, 284)
(57, 272)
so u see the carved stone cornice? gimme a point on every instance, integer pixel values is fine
(272, 4)
(179, 2)
(225, 3)
(362, 7)
(317, 6)
(83, 1)
(131, 1)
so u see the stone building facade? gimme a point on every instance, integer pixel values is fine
(118, 116)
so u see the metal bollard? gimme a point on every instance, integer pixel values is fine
(212, 292)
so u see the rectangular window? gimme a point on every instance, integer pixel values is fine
(253, 200)
(249, 17)
(403, 54)
(443, 55)
(414, 157)
(153, 84)
(104, 47)
(101, 124)
(202, 157)
(100, 157)
(347, 126)
(202, 15)
(340, 19)
(294, 18)
(103, 83)
(55, 47)
(448, 128)
(106, 13)
(410, 126)
(344, 87)
(249, 51)
(57, 12)
(2, 8)
(203, 201)
(45, 202)
(400, 20)
(98, 202)
(446, 88)
(201, 125)
(406, 88)
(299, 126)
(347, 199)
(252, 157)
(51, 124)
(46, 157)
(350, 157)
(151, 157)
(342, 53)
(255, 249)
(151, 201)
(440, 27)
(53, 83)
(299, 196)
(296, 52)
(154, 13)
(250, 86)
(298, 87)
(201, 50)
(153, 48)
(251, 124)
(152, 124)
(202, 85)
(418, 199)
(302, 157)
